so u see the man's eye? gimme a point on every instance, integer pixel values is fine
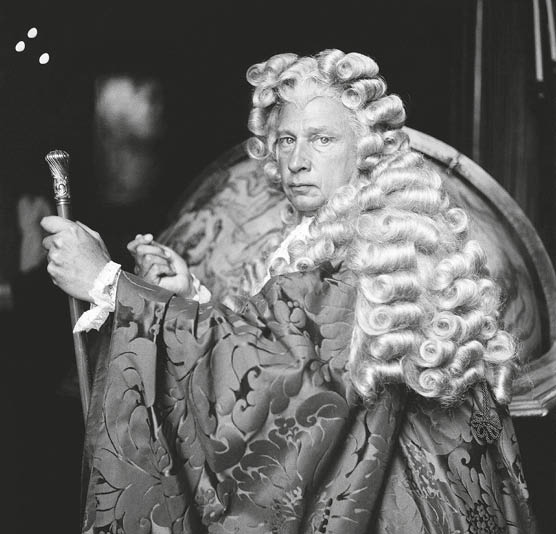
(286, 141)
(323, 140)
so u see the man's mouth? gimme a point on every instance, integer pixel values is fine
(301, 188)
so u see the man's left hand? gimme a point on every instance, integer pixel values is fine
(76, 255)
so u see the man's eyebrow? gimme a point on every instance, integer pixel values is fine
(282, 131)
(312, 130)
(324, 128)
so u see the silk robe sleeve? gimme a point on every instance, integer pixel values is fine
(207, 421)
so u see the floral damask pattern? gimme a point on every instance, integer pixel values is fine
(206, 421)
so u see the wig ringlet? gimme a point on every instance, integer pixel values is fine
(427, 311)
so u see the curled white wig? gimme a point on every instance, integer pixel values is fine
(427, 311)
(352, 78)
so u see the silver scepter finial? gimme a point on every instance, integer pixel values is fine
(58, 163)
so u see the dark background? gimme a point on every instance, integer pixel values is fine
(199, 52)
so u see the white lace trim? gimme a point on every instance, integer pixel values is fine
(301, 231)
(201, 294)
(103, 294)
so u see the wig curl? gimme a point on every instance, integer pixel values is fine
(427, 310)
(352, 78)
(426, 313)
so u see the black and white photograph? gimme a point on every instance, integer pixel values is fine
(278, 267)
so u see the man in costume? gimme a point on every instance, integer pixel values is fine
(361, 390)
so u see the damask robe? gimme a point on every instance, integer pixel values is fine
(203, 420)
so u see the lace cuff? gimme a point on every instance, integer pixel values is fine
(103, 294)
(200, 293)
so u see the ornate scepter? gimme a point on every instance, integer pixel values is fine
(58, 163)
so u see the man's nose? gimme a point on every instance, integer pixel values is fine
(299, 159)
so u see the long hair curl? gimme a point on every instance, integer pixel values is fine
(427, 310)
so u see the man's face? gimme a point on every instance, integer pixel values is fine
(316, 151)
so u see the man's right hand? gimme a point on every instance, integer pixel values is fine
(160, 265)
(76, 255)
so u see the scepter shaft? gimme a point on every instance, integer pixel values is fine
(58, 163)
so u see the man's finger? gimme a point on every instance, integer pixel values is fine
(143, 239)
(143, 250)
(157, 271)
(53, 224)
(53, 257)
(150, 260)
(90, 231)
(169, 251)
(51, 241)
(139, 240)
(51, 269)
(132, 245)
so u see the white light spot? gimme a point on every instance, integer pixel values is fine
(44, 59)
(20, 47)
(32, 33)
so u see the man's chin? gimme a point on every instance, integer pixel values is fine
(306, 209)
(306, 206)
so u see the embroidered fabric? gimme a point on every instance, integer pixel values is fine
(104, 287)
(316, 460)
(103, 294)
